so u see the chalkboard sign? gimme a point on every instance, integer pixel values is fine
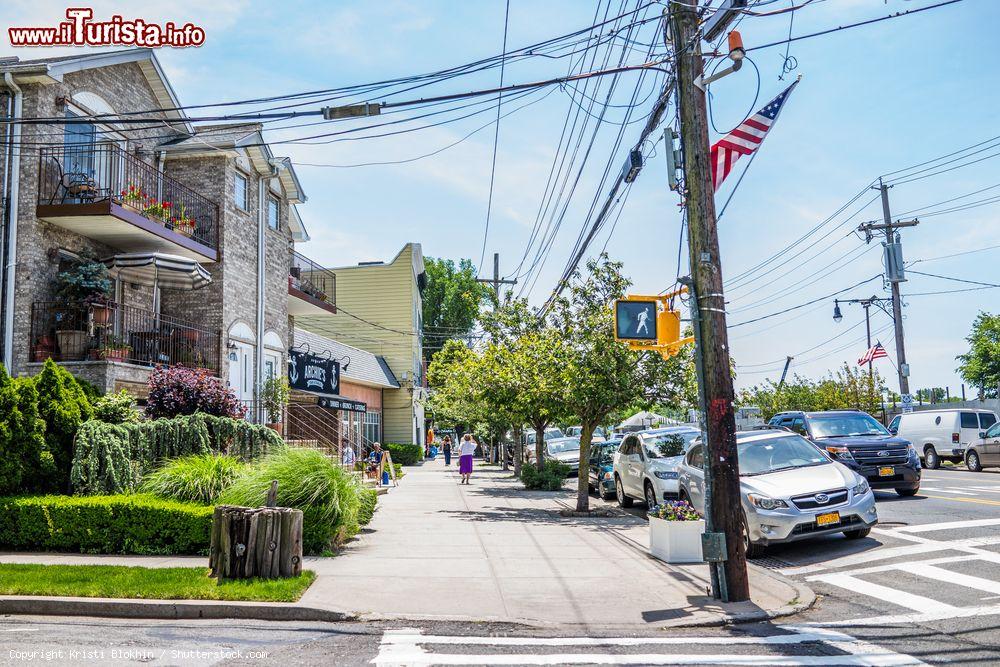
(310, 372)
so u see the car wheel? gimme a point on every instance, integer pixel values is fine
(931, 459)
(753, 549)
(857, 534)
(623, 500)
(973, 463)
(650, 496)
(906, 493)
(603, 493)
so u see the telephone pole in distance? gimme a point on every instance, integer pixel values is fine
(496, 281)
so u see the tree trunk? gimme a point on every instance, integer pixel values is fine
(518, 451)
(539, 447)
(264, 542)
(583, 469)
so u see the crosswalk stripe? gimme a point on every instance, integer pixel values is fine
(958, 578)
(799, 637)
(941, 490)
(885, 593)
(947, 525)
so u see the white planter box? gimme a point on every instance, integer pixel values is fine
(676, 541)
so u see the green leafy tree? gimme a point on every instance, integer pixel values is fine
(63, 406)
(451, 301)
(980, 366)
(600, 374)
(847, 388)
(22, 435)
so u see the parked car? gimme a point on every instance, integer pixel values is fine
(602, 476)
(942, 435)
(789, 490)
(576, 431)
(550, 433)
(645, 465)
(566, 451)
(857, 440)
(984, 451)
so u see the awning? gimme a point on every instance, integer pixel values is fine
(159, 269)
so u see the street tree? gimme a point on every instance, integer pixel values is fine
(451, 302)
(980, 366)
(847, 388)
(600, 374)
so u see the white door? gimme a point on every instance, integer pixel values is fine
(241, 371)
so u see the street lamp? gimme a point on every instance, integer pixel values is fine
(837, 315)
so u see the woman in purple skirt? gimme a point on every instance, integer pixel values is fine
(465, 454)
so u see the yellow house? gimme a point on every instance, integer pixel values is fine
(379, 309)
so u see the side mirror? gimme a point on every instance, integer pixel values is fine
(982, 434)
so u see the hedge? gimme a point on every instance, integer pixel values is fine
(112, 458)
(407, 455)
(136, 524)
(369, 500)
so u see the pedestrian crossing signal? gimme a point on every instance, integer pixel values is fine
(647, 323)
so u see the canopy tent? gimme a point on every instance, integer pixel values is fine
(645, 419)
(158, 270)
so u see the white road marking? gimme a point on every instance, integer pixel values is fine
(885, 593)
(948, 525)
(958, 578)
(20, 629)
(922, 546)
(940, 490)
(405, 647)
(910, 619)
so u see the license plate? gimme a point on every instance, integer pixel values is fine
(886, 471)
(828, 519)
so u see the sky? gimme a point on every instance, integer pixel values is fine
(872, 100)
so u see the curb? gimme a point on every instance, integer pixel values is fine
(166, 609)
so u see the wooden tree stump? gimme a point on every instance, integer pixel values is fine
(265, 542)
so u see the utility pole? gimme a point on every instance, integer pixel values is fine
(496, 281)
(709, 307)
(784, 373)
(895, 275)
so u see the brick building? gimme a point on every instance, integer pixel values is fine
(222, 202)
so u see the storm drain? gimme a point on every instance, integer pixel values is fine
(892, 524)
(770, 563)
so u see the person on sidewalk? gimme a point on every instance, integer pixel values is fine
(465, 454)
(349, 456)
(446, 446)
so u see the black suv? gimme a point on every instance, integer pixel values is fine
(857, 440)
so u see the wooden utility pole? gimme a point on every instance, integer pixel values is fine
(496, 280)
(725, 510)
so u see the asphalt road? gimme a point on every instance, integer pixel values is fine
(924, 587)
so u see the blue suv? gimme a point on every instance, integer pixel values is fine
(860, 442)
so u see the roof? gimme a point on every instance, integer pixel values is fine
(53, 69)
(356, 365)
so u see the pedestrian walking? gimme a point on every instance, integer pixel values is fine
(446, 446)
(465, 454)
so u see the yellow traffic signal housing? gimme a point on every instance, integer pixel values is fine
(647, 323)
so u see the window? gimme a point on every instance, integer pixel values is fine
(695, 457)
(894, 424)
(373, 426)
(970, 420)
(840, 424)
(272, 212)
(241, 192)
(994, 432)
(986, 420)
(799, 425)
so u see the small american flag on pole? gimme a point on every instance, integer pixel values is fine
(746, 138)
(874, 352)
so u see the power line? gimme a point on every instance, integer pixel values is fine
(958, 280)
(803, 305)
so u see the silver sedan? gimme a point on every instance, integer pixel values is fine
(790, 490)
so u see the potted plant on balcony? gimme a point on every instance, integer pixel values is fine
(114, 349)
(181, 223)
(85, 288)
(133, 197)
(44, 348)
(274, 396)
(675, 530)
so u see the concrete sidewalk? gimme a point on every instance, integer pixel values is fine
(489, 551)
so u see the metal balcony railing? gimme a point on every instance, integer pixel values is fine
(309, 277)
(92, 173)
(70, 331)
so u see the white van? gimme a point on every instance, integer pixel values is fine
(942, 435)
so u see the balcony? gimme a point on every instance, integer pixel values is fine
(312, 290)
(118, 333)
(101, 192)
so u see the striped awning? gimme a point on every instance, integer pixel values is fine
(159, 269)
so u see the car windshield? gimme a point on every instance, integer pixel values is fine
(605, 452)
(759, 457)
(845, 424)
(574, 430)
(662, 445)
(559, 446)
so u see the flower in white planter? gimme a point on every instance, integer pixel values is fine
(675, 530)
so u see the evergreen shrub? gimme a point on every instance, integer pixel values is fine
(63, 407)
(549, 478)
(407, 455)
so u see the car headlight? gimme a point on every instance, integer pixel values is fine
(666, 474)
(911, 451)
(765, 503)
(861, 489)
(842, 453)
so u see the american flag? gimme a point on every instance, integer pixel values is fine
(746, 138)
(873, 353)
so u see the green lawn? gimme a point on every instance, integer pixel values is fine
(153, 583)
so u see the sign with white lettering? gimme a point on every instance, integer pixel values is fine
(342, 404)
(313, 373)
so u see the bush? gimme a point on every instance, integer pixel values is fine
(549, 478)
(117, 408)
(407, 455)
(185, 391)
(113, 458)
(328, 496)
(22, 434)
(198, 478)
(63, 406)
(369, 500)
(105, 525)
